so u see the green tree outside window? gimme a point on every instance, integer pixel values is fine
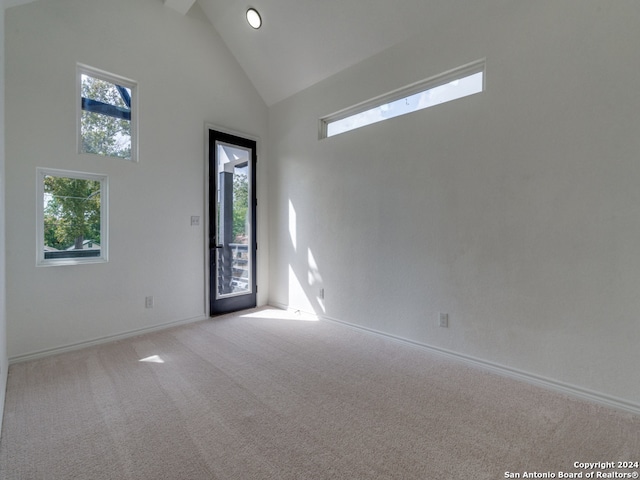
(71, 212)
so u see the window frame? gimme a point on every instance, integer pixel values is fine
(441, 79)
(82, 69)
(41, 261)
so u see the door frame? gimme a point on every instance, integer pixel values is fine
(207, 209)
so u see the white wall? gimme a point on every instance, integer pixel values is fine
(186, 77)
(4, 363)
(517, 211)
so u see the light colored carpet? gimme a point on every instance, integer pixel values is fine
(268, 396)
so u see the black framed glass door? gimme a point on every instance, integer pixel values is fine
(232, 223)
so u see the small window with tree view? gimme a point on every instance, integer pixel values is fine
(107, 114)
(72, 217)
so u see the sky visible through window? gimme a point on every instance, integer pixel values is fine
(453, 90)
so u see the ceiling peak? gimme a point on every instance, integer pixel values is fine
(180, 6)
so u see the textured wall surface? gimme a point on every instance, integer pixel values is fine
(186, 77)
(516, 211)
(4, 363)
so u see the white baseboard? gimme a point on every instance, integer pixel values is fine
(101, 340)
(550, 384)
(562, 387)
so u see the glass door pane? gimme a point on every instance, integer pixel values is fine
(232, 223)
(234, 269)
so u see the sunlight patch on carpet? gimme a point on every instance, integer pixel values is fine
(152, 359)
(278, 314)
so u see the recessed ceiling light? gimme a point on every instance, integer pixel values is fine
(254, 19)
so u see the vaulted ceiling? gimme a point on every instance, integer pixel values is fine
(304, 41)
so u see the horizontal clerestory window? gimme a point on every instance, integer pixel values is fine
(460, 82)
(106, 114)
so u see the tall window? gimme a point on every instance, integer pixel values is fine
(72, 217)
(107, 114)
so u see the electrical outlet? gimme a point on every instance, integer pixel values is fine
(195, 221)
(148, 302)
(321, 294)
(444, 320)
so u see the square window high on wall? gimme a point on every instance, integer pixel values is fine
(107, 114)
